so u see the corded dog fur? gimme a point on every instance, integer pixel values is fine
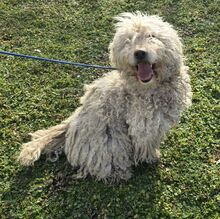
(125, 114)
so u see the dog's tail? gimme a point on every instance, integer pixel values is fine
(46, 141)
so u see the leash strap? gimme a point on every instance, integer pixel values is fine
(56, 61)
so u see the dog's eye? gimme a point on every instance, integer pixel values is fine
(150, 36)
(127, 41)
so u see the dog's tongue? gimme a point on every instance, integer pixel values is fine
(145, 71)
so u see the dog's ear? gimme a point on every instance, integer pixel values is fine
(111, 54)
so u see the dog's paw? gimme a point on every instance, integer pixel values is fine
(29, 154)
(153, 158)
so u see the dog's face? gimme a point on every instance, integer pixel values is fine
(145, 47)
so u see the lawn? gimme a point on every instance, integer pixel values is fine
(36, 95)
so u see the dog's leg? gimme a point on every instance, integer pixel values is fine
(120, 148)
(98, 147)
(43, 141)
(146, 150)
(146, 137)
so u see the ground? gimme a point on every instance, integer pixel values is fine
(36, 95)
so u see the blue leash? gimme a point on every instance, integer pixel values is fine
(56, 61)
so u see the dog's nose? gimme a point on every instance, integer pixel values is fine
(140, 55)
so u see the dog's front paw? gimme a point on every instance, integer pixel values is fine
(153, 158)
(29, 154)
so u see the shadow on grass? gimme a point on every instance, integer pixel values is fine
(91, 199)
(65, 197)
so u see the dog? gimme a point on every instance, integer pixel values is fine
(125, 114)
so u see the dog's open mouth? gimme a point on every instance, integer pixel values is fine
(145, 71)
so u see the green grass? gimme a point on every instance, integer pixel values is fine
(35, 95)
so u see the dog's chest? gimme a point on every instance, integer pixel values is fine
(142, 115)
(148, 117)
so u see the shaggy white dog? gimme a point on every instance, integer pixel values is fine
(125, 114)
